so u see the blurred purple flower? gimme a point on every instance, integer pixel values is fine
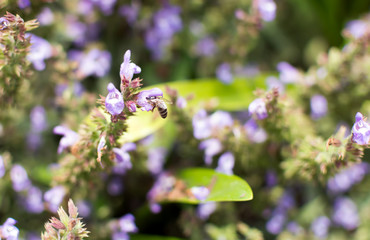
(38, 119)
(123, 159)
(84, 208)
(162, 185)
(40, 51)
(276, 223)
(286, 201)
(181, 102)
(106, 6)
(33, 202)
(224, 74)
(69, 138)
(273, 82)
(143, 96)
(271, 178)
(211, 147)
(76, 30)
(204, 210)
(201, 193)
(345, 213)
(130, 12)
(288, 73)
(114, 101)
(220, 119)
(226, 163)
(45, 17)
(344, 180)
(120, 236)
(128, 69)
(320, 226)
(33, 236)
(2, 167)
(3, 24)
(86, 7)
(8, 230)
(115, 186)
(267, 9)
(254, 132)
(19, 178)
(201, 125)
(319, 106)
(22, 4)
(155, 207)
(95, 63)
(360, 130)
(127, 223)
(156, 157)
(294, 228)
(258, 108)
(357, 28)
(249, 70)
(54, 197)
(206, 47)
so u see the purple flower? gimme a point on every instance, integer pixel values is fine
(115, 186)
(95, 63)
(2, 167)
(131, 105)
(127, 223)
(39, 51)
(19, 178)
(155, 207)
(130, 12)
(267, 9)
(288, 73)
(181, 102)
(212, 147)
(224, 74)
(360, 130)
(128, 69)
(156, 157)
(258, 108)
(33, 202)
(54, 197)
(76, 30)
(201, 193)
(123, 159)
(84, 208)
(345, 213)
(8, 230)
(273, 82)
(163, 185)
(46, 17)
(106, 6)
(271, 178)
(38, 119)
(276, 223)
(3, 24)
(320, 226)
(294, 228)
(254, 132)
(204, 210)
(226, 163)
(319, 106)
(357, 28)
(201, 125)
(114, 101)
(120, 236)
(143, 96)
(249, 70)
(69, 138)
(206, 47)
(22, 4)
(220, 119)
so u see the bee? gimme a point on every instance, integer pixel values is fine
(160, 103)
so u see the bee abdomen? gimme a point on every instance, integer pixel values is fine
(162, 112)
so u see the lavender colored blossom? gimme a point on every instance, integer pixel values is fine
(267, 9)
(2, 167)
(69, 138)
(85, 7)
(212, 147)
(226, 163)
(357, 28)
(201, 125)
(128, 69)
(288, 73)
(156, 157)
(40, 51)
(204, 210)
(155, 207)
(276, 223)
(114, 101)
(54, 197)
(8, 230)
(320, 226)
(271, 178)
(38, 119)
(84, 208)
(76, 30)
(22, 4)
(115, 186)
(162, 185)
(249, 70)
(294, 228)
(319, 106)
(254, 132)
(220, 119)
(130, 12)
(95, 63)
(345, 179)
(3, 25)
(123, 159)
(46, 17)
(106, 6)
(120, 236)
(206, 47)
(345, 213)
(33, 236)
(273, 82)
(33, 202)
(143, 96)
(360, 130)
(181, 102)
(19, 178)
(258, 109)
(224, 74)
(200, 192)
(131, 105)
(127, 223)
(286, 201)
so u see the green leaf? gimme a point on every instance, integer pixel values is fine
(222, 187)
(151, 237)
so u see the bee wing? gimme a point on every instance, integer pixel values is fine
(166, 101)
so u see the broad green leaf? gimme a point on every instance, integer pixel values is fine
(151, 237)
(222, 187)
